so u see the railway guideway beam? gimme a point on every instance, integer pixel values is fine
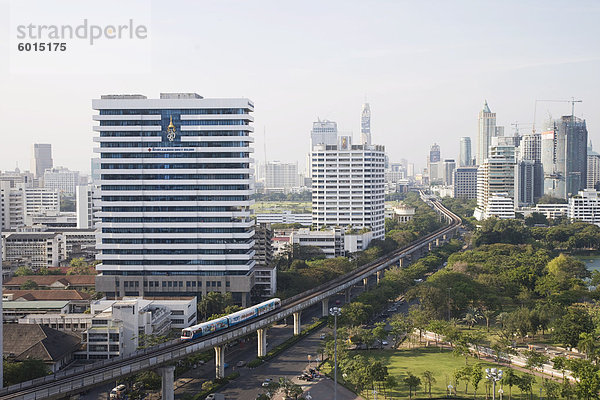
(167, 374)
(262, 341)
(220, 361)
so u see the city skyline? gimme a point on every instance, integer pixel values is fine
(390, 60)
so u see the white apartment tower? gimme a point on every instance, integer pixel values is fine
(348, 185)
(282, 176)
(175, 193)
(585, 207)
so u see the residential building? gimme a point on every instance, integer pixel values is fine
(465, 158)
(38, 342)
(585, 207)
(41, 159)
(61, 179)
(285, 217)
(365, 125)
(499, 205)
(281, 176)
(487, 130)
(465, 182)
(496, 176)
(175, 198)
(12, 205)
(348, 186)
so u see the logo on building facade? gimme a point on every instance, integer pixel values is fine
(171, 130)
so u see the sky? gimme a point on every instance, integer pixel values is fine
(425, 67)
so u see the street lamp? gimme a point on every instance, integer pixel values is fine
(493, 375)
(335, 311)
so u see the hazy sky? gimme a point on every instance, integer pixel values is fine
(426, 67)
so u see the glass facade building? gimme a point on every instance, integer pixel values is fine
(175, 187)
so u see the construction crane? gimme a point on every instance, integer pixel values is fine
(516, 125)
(572, 101)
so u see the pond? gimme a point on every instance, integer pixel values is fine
(592, 262)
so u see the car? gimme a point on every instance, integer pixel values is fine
(215, 396)
(266, 382)
(385, 343)
(322, 336)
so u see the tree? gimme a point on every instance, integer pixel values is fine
(17, 372)
(510, 379)
(429, 380)
(487, 314)
(476, 377)
(551, 388)
(535, 359)
(412, 382)
(588, 345)
(29, 285)
(379, 332)
(23, 271)
(536, 218)
(78, 266)
(355, 314)
(214, 303)
(401, 326)
(525, 383)
(567, 330)
(472, 316)
(587, 383)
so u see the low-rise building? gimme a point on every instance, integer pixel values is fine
(330, 241)
(13, 310)
(39, 342)
(58, 282)
(120, 327)
(499, 205)
(63, 322)
(79, 301)
(36, 250)
(585, 207)
(285, 217)
(402, 213)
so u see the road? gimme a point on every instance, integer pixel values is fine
(289, 364)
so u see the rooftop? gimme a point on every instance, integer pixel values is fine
(33, 341)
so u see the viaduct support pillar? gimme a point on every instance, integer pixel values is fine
(401, 262)
(347, 295)
(325, 307)
(262, 342)
(297, 323)
(379, 276)
(168, 380)
(366, 282)
(219, 362)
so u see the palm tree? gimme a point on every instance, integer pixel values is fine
(472, 316)
(587, 345)
(487, 315)
(429, 380)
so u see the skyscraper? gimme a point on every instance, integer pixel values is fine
(465, 158)
(593, 168)
(449, 167)
(487, 130)
(41, 159)
(530, 149)
(365, 124)
(434, 153)
(175, 196)
(564, 156)
(281, 176)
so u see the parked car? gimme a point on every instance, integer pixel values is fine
(322, 336)
(215, 396)
(240, 364)
(266, 382)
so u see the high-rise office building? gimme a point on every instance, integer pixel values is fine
(465, 157)
(348, 186)
(365, 125)
(449, 167)
(465, 182)
(487, 130)
(525, 183)
(41, 159)
(281, 176)
(175, 196)
(435, 153)
(564, 156)
(593, 168)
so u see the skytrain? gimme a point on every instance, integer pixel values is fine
(205, 328)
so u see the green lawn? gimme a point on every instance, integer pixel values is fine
(442, 364)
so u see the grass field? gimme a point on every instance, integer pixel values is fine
(442, 364)
(296, 207)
